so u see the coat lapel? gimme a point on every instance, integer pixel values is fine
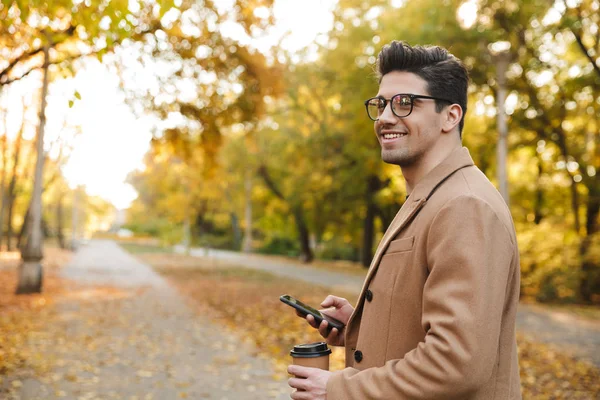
(458, 159)
(406, 213)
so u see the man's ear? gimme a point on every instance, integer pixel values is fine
(453, 114)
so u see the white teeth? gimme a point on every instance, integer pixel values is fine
(393, 135)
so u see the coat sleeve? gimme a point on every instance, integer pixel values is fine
(469, 253)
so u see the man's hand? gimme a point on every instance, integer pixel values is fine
(338, 308)
(310, 383)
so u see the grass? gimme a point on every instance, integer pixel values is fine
(136, 248)
(347, 267)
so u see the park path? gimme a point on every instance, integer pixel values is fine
(145, 343)
(578, 337)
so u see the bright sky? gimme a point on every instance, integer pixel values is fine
(113, 142)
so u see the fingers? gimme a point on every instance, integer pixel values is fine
(310, 383)
(311, 321)
(300, 395)
(328, 302)
(299, 371)
(297, 383)
(332, 335)
(334, 301)
(323, 329)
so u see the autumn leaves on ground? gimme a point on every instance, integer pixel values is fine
(245, 302)
(30, 325)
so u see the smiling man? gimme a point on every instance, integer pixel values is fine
(436, 316)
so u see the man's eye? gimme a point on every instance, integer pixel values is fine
(403, 101)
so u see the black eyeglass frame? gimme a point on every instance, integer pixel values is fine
(412, 103)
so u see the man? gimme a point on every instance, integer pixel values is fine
(436, 316)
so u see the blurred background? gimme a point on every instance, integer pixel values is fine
(240, 125)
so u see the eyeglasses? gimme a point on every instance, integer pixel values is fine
(402, 104)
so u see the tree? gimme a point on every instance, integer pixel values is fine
(204, 82)
(30, 270)
(561, 46)
(37, 29)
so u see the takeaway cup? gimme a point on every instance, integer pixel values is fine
(315, 355)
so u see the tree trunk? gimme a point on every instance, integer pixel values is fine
(3, 182)
(303, 235)
(539, 195)
(2, 212)
(368, 235)
(235, 228)
(9, 222)
(502, 61)
(59, 224)
(30, 270)
(575, 203)
(22, 236)
(386, 215)
(11, 195)
(46, 230)
(373, 185)
(247, 242)
(589, 285)
(297, 212)
(186, 234)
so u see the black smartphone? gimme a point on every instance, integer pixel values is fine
(305, 310)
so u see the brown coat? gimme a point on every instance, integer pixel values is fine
(436, 316)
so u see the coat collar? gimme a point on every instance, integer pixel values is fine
(458, 159)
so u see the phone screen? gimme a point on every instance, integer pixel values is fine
(304, 309)
(301, 304)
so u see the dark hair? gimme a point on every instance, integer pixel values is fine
(446, 75)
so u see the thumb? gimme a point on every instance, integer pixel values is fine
(331, 301)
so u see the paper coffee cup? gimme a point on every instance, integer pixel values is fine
(314, 355)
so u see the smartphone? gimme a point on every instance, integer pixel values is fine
(305, 310)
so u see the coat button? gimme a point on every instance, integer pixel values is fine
(358, 356)
(369, 295)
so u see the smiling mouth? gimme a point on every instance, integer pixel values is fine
(389, 136)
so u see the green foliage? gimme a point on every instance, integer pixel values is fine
(222, 241)
(70, 28)
(550, 266)
(153, 227)
(337, 250)
(281, 245)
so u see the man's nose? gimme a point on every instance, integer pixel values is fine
(387, 116)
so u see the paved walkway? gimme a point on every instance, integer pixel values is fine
(581, 338)
(146, 345)
(290, 269)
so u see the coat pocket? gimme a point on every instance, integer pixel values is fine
(400, 245)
